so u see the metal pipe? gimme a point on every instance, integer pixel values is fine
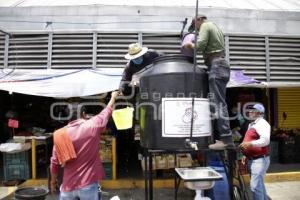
(189, 142)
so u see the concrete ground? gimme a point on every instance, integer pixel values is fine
(277, 191)
(284, 190)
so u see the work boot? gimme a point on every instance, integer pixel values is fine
(220, 145)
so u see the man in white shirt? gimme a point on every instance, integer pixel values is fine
(255, 148)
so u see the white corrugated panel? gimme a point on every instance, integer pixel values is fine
(2, 46)
(284, 59)
(248, 53)
(72, 50)
(168, 44)
(165, 43)
(28, 51)
(112, 47)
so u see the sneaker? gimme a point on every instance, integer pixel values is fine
(220, 145)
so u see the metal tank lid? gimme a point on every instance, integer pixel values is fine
(175, 58)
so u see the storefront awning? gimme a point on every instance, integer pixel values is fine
(59, 83)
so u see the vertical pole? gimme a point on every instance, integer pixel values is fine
(33, 156)
(231, 156)
(150, 177)
(6, 48)
(94, 50)
(146, 174)
(227, 49)
(114, 159)
(194, 72)
(140, 38)
(267, 50)
(49, 58)
(269, 104)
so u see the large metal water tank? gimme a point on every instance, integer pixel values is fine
(166, 91)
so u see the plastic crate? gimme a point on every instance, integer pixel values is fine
(17, 166)
(108, 170)
(17, 172)
(16, 158)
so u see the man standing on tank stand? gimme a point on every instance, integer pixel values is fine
(138, 58)
(211, 45)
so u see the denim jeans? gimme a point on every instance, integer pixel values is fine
(89, 192)
(258, 169)
(219, 74)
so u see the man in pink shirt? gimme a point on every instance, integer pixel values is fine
(82, 174)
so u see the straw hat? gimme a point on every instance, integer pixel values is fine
(135, 50)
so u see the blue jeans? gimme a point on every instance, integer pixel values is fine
(89, 192)
(219, 74)
(258, 169)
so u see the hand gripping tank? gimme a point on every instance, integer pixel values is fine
(166, 88)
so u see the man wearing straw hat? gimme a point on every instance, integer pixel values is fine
(138, 57)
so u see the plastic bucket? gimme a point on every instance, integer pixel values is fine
(123, 118)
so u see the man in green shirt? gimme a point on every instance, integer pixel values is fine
(211, 45)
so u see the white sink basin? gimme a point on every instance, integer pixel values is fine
(199, 178)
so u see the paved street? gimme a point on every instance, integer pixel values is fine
(277, 191)
(284, 190)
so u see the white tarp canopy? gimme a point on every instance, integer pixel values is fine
(61, 83)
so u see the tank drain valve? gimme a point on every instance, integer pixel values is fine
(191, 144)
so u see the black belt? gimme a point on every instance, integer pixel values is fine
(257, 157)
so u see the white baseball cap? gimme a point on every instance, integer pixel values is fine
(259, 107)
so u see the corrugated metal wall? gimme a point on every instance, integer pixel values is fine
(248, 53)
(28, 51)
(72, 50)
(265, 58)
(289, 102)
(111, 48)
(284, 59)
(2, 47)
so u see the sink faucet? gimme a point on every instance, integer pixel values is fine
(191, 144)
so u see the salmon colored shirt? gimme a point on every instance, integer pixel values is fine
(87, 167)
